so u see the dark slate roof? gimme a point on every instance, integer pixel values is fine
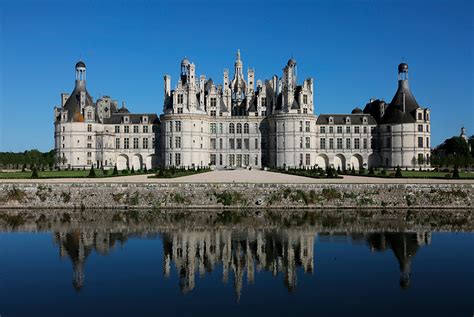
(222, 106)
(135, 118)
(279, 101)
(410, 102)
(253, 105)
(295, 104)
(208, 85)
(356, 110)
(374, 109)
(80, 64)
(394, 113)
(72, 104)
(341, 118)
(123, 110)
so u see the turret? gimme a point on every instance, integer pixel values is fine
(80, 74)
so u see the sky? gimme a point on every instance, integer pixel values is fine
(350, 48)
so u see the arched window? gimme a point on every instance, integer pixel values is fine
(246, 128)
(239, 128)
(231, 128)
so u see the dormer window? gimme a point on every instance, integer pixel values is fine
(126, 119)
(364, 119)
(331, 120)
(145, 119)
(348, 120)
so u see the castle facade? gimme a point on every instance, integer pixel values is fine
(242, 122)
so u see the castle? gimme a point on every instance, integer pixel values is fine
(242, 122)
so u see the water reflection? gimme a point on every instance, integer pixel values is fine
(241, 253)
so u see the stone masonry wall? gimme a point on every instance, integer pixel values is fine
(132, 195)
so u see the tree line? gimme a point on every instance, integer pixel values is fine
(27, 159)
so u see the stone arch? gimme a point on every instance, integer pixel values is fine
(339, 162)
(122, 162)
(357, 162)
(150, 161)
(137, 162)
(322, 161)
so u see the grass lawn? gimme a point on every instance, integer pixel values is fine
(62, 174)
(173, 173)
(418, 174)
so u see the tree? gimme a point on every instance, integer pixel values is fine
(115, 172)
(398, 172)
(371, 171)
(34, 173)
(133, 170)
(456, 172)
(91, 172)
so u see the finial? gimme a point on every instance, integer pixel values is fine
(238, 54)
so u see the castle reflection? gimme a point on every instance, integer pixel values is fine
(241, 253)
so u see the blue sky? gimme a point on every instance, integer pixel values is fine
(350, 48)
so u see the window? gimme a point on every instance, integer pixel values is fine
(117, 129)
(246, 159)
(301, 143)
(135, 129)
(231, 128)
(308, 126)
(256, 159)
(170, 144)
(246, 128)
(356, 143)
(177, 142)
(221, 128)
(239, 128)
(356, 129)
(365, 144)
(232, 144)
(177, 126)
(264, 113)
(339, 129)
(180, 109)
(331, 129)
(153, 143)
(239, 144)
(135, 143)
(213, 159)
(180, 98)
(89, 145)
(256, 127)
(348, 129)
(246, 144)
(420, 116)
(420, 128)
(331, 143)
(322, 129)
(301, 159)
(339, 143)
(305, 110)
(305, 99)
(389, 142)
(348, 143)
(220, 144)
(89, 115)
(170, 125)
(213, 113)
(126, 129)
(322, 143)
(365, 129)
(89, 154)
(89, 128)
(89, 138)
(231, 159)
(301, 126)
(177, 159)
(264, 102)
(308, 159)
(256, 143)
(308, 142)
(420, 141)
(145, 129)
(126, 143)
(213, 144)
(427, 142)
(145, 143)
(427, 128)
(213, 127)
(213, 103)
(220, 159)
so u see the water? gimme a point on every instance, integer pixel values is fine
(234, 265)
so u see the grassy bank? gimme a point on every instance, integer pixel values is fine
(67, 174)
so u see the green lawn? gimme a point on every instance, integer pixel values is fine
(422, 174)
(178, 172)
(61, 174)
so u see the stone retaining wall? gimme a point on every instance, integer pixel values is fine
(139, 195)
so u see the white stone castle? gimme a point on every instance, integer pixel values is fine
(241, 123)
